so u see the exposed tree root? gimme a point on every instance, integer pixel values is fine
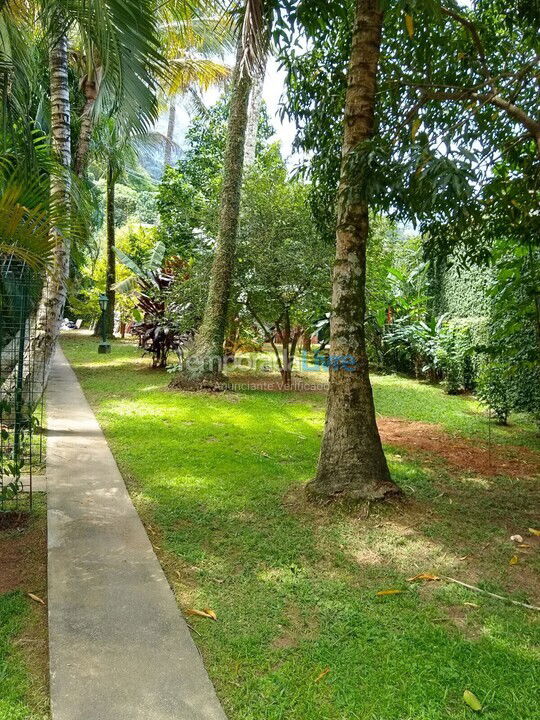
(209, 383)
(353, 493)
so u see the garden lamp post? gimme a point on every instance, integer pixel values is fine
(104, 346)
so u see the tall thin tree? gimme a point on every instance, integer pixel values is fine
(352, 464)
(169, 139)
(54, 292)
(206, 360)
(254, 113)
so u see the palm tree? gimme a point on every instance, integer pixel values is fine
(124, 40)
(116, 148)
(117, 52)
(352, 464)
(192, 41)
(207, 357)
(53, 297)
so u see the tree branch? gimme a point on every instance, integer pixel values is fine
(533, 126)
(475, 37)
(267, 332)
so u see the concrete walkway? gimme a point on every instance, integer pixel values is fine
(119, 647)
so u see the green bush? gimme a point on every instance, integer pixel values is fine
(495, 390)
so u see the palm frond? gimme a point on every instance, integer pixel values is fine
(24, 229)
(125, 37)
(195, 103)
(189, 71)
(254, 37)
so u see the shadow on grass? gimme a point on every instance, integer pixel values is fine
(219, 478)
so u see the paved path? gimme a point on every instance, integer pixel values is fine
(119, 647)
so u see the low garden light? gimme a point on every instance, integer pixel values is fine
(104, 346)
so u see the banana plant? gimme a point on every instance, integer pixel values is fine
(143, 276)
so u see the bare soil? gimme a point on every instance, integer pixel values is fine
(463, 454)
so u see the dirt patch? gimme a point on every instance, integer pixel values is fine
(295, 628)
(23, 549)
(13, 520)
(474, 457)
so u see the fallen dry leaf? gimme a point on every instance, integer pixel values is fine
(423, 576)
(409, 22)
(516, 538)
(533, 531)
(36, 598)
(469, 604)
(206, 613)
(472, 701)
(324, 672)
(514, 560)
(524, 545)
(388, 592)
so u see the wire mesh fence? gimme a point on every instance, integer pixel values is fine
(21, 386)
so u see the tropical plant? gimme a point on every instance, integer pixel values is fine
(192, 42)
(208, 348)
(116, 149)
(160, 319)
(283, 266)
(494, 391)
(418, 345)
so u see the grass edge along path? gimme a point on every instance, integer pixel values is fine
(23, 620)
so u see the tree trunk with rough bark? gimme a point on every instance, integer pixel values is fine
(110, 278)
(53, 296)
(90, 89)
(352, 465)
(169, 140)
(206, 361)
(254, 113)
(306, 341)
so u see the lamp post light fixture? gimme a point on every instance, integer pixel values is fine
(104, 346)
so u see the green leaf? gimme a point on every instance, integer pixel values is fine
(126, 286)
(156, 258)
(128, 262)
(472, 701)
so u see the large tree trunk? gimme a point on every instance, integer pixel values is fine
(169, 140)
(111, 257)
(53, 296)
(254, 113)
(352, 464)
(206, 361)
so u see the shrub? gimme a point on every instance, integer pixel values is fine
(451, 363)
(494, 389)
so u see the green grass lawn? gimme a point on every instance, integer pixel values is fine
(14, 683)
(217, 479)
(23, 634)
